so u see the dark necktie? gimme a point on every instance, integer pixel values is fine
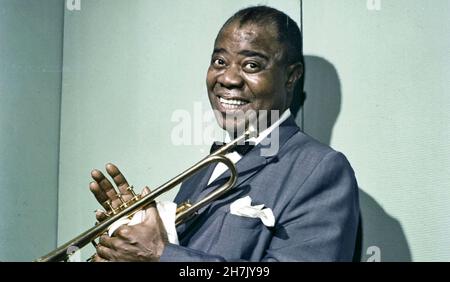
(241, 149)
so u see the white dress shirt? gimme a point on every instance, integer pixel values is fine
(235, 156)
(167, 209)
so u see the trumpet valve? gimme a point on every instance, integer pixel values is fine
(183, 206)
(112, 211)
(130, 189)
(124, 204)
(135, 196)
(131, 201)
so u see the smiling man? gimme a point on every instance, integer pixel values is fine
(254, 67)
(298, 204)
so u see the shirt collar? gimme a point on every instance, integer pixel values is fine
(267, 131)
(256, 140)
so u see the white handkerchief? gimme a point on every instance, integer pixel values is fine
(243, 207)
(166, 211)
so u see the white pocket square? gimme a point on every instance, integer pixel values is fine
(243, 207)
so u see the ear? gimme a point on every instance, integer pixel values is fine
(294, 73)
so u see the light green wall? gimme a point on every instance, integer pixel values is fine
(30, 87)
(128, 66)
(376, 84)
(385, 75)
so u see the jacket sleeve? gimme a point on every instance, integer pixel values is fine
(319, 223)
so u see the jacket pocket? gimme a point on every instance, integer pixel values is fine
(241, 238)
(242, 222)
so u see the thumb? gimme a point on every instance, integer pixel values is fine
(152, 216)
(150, 211)
(145, 191)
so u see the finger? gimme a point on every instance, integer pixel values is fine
(105, 185)
(107, 241)
(98, 193)
(100, 215)
(152, 215)
(122, 232)
(152, 218)
(145, 191)
(118, 179)
(98, 258)
(103, 198)
(104, 252)
(151, 211)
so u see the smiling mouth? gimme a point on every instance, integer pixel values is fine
(232, 103)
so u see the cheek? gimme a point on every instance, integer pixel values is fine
(210, 79)
(262, 88)
(268, 92)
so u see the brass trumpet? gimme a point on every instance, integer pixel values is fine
(184, 211)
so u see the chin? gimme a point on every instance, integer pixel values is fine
(232, 127)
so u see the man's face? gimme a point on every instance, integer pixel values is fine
(246, 74)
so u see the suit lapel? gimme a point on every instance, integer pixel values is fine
(250, 164)
(245, 167)
(194, 185)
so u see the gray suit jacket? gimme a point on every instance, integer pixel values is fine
(311, 190)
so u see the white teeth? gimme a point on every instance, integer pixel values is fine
(232, 102)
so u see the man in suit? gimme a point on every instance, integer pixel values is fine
(307, 190)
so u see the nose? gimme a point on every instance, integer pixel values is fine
(231, 78)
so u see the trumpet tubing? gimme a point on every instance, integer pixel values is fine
(127, 209)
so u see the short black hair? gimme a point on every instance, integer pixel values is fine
(289, 35)
(288, 32)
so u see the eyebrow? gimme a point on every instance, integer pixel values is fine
(247, 53)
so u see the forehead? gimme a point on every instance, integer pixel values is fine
(249, 36)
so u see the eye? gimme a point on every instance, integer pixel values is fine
(251, 67)
(218, 62)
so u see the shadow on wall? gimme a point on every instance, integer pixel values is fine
(380, 236)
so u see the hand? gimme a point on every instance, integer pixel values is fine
(141, 242)
(104, 191)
